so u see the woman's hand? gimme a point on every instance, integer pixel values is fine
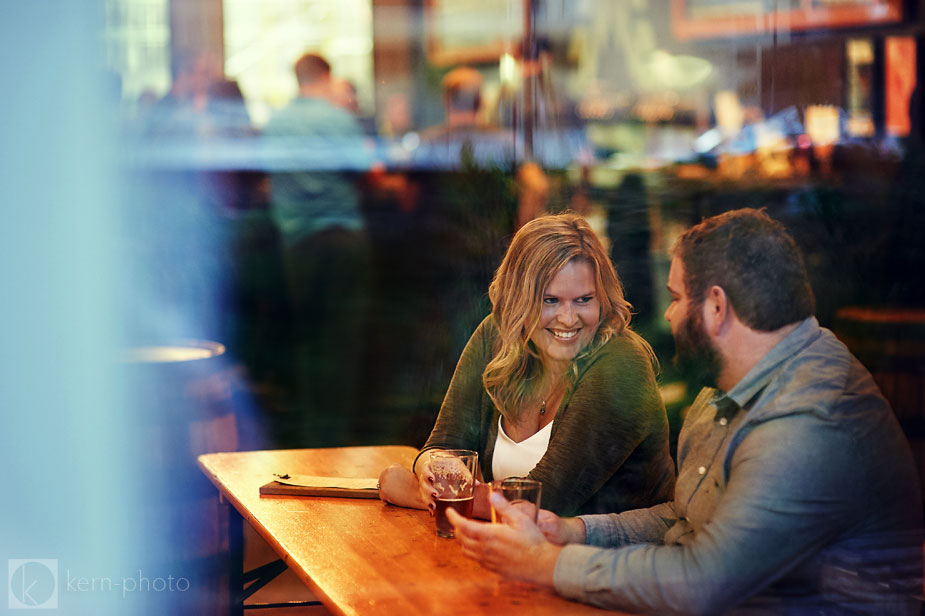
(399, 486)
(451, 471)
(425, 483)
(480, 507)
(560, 530)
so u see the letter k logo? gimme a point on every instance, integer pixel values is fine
(33, 583)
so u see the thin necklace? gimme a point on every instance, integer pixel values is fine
(552, 394)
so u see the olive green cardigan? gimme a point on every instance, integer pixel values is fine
(608, 450)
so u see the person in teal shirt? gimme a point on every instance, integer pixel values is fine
(315, 150)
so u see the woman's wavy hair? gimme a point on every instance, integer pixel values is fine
(538, 251)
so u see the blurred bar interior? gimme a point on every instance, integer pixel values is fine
(166, 297)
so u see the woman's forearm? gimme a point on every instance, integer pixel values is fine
(399, 486)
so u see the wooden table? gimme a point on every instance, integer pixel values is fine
(362, 556)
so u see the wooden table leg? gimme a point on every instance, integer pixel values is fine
(235, 562)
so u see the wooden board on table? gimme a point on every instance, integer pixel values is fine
(281, 489)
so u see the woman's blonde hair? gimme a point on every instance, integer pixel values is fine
(538, 251)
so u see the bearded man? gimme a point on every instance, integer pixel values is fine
(796, 490)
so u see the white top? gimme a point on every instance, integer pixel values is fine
(517, 459)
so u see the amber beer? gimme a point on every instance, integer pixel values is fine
(454, 472)
(463, 507)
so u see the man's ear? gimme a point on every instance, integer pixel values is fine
(716, 310)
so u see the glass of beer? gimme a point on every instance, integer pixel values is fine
(454, 473)
(521, 492)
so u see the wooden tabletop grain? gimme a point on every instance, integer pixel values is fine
(362, 556)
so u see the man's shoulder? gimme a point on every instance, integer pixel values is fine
(826, 355)
(818, 379)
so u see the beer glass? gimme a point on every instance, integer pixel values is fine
(454, 473)
(521, 492)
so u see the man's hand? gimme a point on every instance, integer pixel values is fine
(515, 548)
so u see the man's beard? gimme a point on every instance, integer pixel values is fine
(695, 355)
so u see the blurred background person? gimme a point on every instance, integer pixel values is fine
(464, 134)
(344, 94)
(225, 110)
(466, 205)
(325, 253)
(181, 112)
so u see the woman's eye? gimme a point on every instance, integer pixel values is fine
(549, 300)
(583, 300)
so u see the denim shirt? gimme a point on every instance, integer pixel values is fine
(796, 493)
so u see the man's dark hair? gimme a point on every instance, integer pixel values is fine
(755, 261)
(311, 68)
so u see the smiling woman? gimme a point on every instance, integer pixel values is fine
(554, 384)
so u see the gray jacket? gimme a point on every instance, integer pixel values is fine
(796, 493)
